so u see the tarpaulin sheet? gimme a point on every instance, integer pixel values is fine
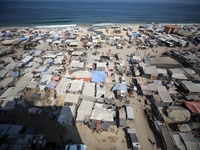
(52, 84)
(23, 39)
(56, 38)
(193, 106)
(120, 86)
(135, 34)
(98, 76)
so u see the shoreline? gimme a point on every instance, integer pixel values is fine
(97, 25)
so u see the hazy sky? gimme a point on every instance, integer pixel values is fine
(179, 1)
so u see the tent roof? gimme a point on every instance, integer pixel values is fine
(191, 86)
(72, 98)
(84, 110)
(101, 113)
(120, 86)
(98, 76)
(178, 113)
(89, 89)
(162, 91)
(193, 106)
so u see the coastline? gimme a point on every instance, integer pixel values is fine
(100, 25)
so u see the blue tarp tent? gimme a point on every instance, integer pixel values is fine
(56, 38)
(23, 39)
(136, 34)
(45, 70)
(72, 37)
(63, 40)
(119, 86)
(132, 60)
(7, 34)
(98, 76)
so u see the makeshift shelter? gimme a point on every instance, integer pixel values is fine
(102, 117)
(89, 89)
(129, 113)
(85, 75)
(120, 86)
(151, 72)
(63, 86)
(189, 86)
(122, 117)
(178, 113)
(194, 107)
(166, 98)
(58, 60)
(171, 29)
(77, 64)
(101, 113)
(19, 87)
(46, 79)
(165, 136)
(3, 73)
(84, 111)
(26, 59)
(6, 82)
(71, 99)
(98, 76)
(76, 86)
(186, 141)
(66, 115)
(176, 73)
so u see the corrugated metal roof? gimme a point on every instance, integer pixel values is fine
(72, 98)
(84, 110)
(191, 86)
(152, 70)
(89, 89)
(166, 98)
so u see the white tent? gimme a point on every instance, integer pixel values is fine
(84, 110)
(71, 98)
(101, 113)
(76, 86)
(63, 86)
(89, 89)
(46, 79)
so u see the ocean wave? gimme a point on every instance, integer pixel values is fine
(57, 26)
(101, 25)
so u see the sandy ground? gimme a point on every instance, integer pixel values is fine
(114, 139)
(94, 140)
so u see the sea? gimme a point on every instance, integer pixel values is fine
(62, 13)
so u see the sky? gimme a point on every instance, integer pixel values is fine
(177, 1)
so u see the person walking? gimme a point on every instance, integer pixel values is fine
(154, 143)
